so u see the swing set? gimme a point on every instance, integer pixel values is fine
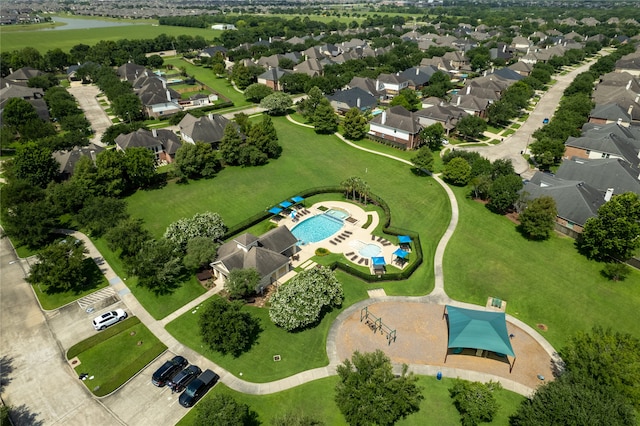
(375, 324)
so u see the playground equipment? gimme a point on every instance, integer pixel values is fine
(375, 324)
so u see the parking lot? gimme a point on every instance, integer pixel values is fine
(139, 402)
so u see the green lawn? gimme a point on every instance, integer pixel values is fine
(158, 306)
(206, 76)
(114, 361)
(96, 281)
(299, 351)
(66, 39)
(543, 282)
(316, 399)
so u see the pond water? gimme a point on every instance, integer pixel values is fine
(80, 24)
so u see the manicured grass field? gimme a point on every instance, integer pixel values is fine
(96, 281)
(206, 76)
(299, 351)
(309, 160)
(115, 360)
(66, 39)
(158, 306)
(316, 399)
(543, 282)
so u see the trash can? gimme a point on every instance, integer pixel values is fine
(439, 375)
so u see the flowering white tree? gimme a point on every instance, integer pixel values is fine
(300, 302)
(207, 224)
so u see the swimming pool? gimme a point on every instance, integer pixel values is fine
(316, 228)
(337, 213)
(365, 249)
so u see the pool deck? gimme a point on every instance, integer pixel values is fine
(340, 241)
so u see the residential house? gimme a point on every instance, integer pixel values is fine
(33, 95)
(501, 51)
(311, 67)
(368, 85)
(522, 68)
(457, 60)
(608, 141)
(603, 174)
(162, 142)
(208, 129)
(391, 84)
(269, 255)
(520, 43)
(472, 104)
(68, 158)
(576, 201)
(609, 113)
(418, 77)
(447, 115)
(212, 51)
(397, 125)
(157, 99)
(23, 75)
(343, 100)
(439, 63)
(131, 71)
(271, 78)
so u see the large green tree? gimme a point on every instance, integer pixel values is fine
(35, 164)
(231, 145)
(200, 252)
(60, 267)
(610, 358)
(325, 119)
(504, 192)
(354, 124)
(158, 266)
(197, 160)
(222, 409)
(423, 159)
(16, 111)
(301, 301)
(276, 103)
(128, 235)
(368, 393)
(457, 171)
(225, 328)
(615, 232)
(432, 136)
(257, 92)
(471, 126)
(242, 282)
(140, 165)
(537, 220)
(475, 401)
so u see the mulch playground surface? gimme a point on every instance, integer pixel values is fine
(422, 336)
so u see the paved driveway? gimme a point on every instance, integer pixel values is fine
(36, 379)
(86, 94)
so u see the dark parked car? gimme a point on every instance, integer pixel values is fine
(183, 378)
(198, 388)
(168, 370)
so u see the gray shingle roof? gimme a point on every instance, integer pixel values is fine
(398, 117)
(576, 201)
(353, 97)
(208, 129)
(602, 174)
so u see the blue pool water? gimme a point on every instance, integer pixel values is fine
(337, 213)
(316, 228)
(366, 250)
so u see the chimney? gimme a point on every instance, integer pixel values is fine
(269, 39)
(358, 102)
(93, 156)
(629, 111)
(168, 96)
(504, 48)
(164, 84)
(608, 194)
(468, 90)
(417, 71)
(637, 99)
(629, 85)
(458, 101)
(619, 122)
(154, 132)
(384, 117)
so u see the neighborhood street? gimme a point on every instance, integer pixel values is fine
(514, 145)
